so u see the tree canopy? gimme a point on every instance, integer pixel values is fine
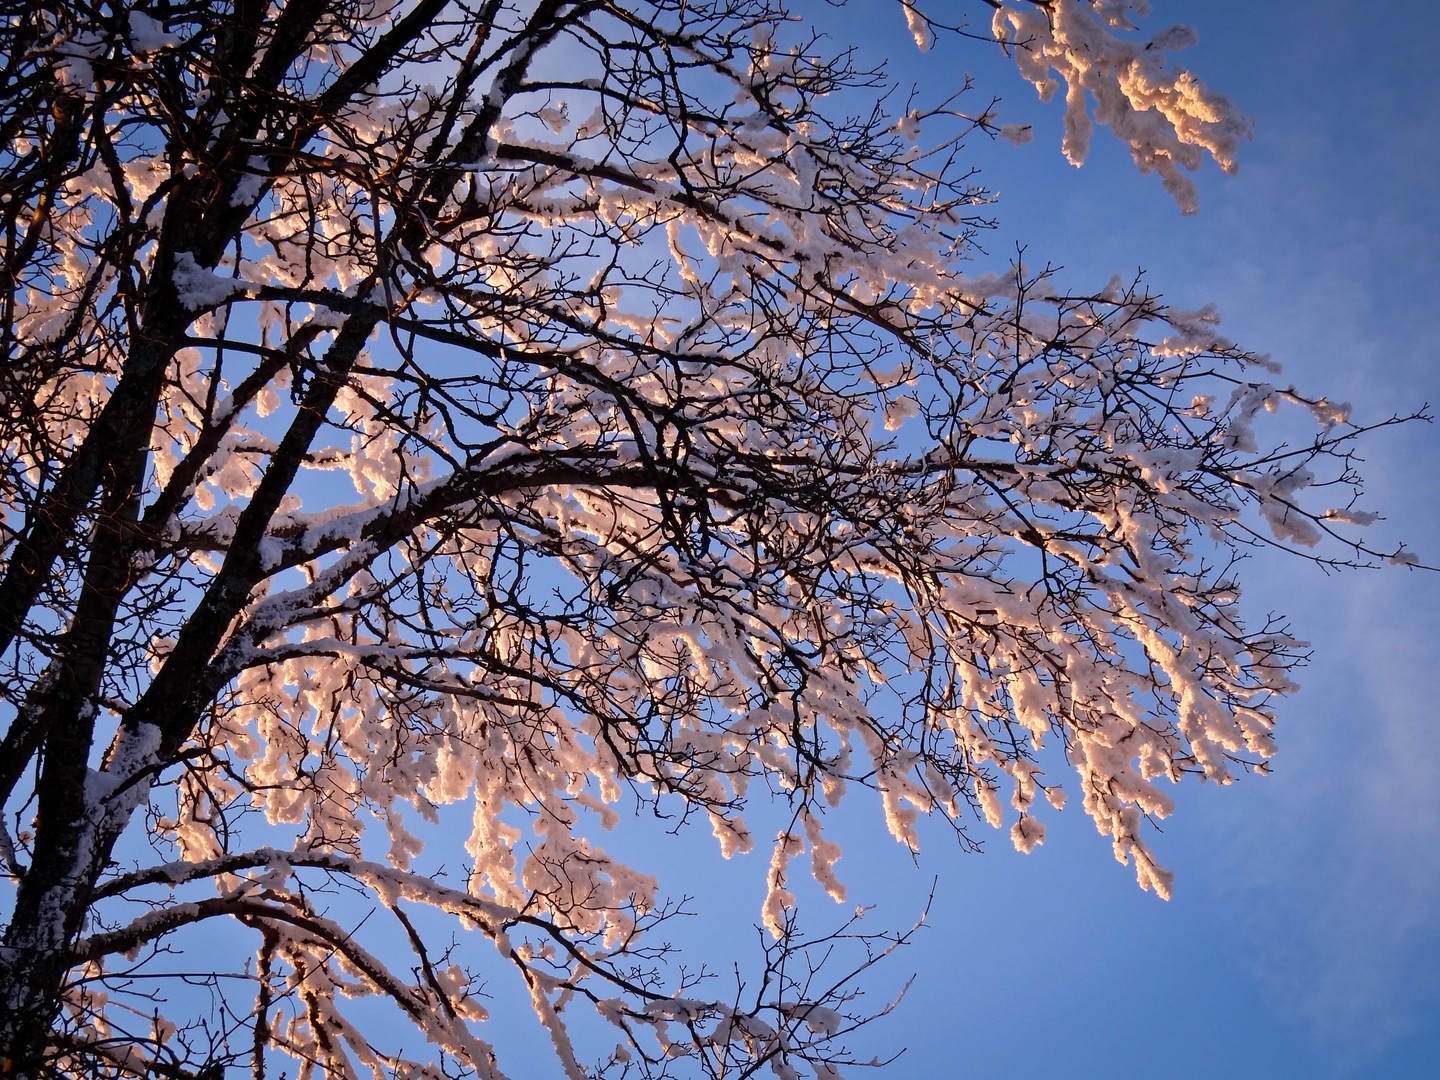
(433, 431)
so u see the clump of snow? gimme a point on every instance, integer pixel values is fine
(200, 289)
(919, 26)
(148, 35)
(1027, 834)
(1352, 517)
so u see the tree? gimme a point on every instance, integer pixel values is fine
(559, 406)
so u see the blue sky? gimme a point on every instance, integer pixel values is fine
(1304, 937)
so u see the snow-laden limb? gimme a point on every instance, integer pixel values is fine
(1167, 118)
(311, 964)
(444, 440)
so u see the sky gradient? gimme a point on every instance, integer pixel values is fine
(1304, 936)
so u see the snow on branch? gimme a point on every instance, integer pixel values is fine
(480, 430)
(1167, 118)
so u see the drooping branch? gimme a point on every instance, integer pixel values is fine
(541, 407)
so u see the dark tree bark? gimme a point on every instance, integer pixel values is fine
(544, 406)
